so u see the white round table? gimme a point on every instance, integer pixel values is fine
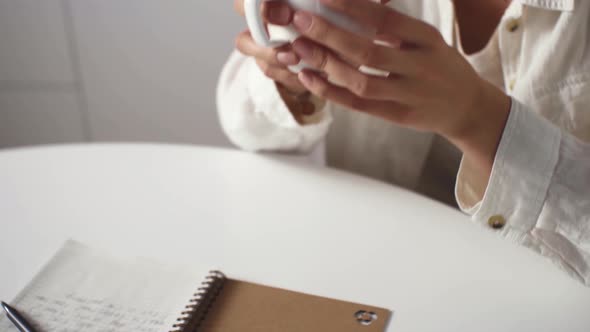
(274, 220)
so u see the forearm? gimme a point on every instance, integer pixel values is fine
(537, 193)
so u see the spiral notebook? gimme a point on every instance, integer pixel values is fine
(82, 289)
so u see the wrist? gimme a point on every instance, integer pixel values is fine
(480, 138)
(302, 104)
(293, 94)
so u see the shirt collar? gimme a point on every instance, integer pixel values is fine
(560, 5)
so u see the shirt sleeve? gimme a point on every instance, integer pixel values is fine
(538, 194)
(254, 116)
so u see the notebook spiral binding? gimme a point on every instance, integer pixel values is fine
(200, 304)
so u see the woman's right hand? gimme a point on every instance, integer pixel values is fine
(273, 62)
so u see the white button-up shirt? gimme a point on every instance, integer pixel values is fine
(539, 191)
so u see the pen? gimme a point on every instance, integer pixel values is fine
(17, 319)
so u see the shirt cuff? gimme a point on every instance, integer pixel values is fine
(268, 124)
(522, 172)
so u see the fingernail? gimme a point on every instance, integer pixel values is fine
(306, 78)
(279, 14)
(302, 21)
(287, 58)
(303, 49)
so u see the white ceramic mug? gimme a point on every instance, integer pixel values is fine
(258, 29)
(288, 34)
(257, 26)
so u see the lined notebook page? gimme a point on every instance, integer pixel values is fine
(84, 290)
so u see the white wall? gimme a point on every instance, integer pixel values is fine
(112, 70)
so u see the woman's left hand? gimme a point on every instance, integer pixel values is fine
(431, 86)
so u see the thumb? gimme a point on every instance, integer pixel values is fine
(239, 6)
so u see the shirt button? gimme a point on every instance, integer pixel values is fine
(512, 84)
(513, 25)
(497, 222)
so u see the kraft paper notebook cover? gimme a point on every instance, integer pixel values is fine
(82, 289)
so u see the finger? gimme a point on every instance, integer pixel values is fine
(247, 46)
(385, 21)
(360, 50)
(348, 76)
(239, 6)
(392, 111)
(282, 76)
(277, 12)
(288, 58)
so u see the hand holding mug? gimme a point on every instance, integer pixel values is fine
(267, 58)
(432, 87)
